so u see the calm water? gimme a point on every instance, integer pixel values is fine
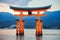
(29, 34)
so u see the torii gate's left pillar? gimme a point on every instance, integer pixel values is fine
(20, 26)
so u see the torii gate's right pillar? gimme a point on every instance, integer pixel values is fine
(38, 27)
(39, 24)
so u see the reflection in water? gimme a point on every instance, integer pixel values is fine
(38, 37)
(19, 37)
(29, 35)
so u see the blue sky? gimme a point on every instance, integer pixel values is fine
(55, 4)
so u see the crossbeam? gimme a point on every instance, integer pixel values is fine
(30, 15)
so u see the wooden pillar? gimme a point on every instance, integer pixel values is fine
(38, 25)
(21, 31)
(21, 28)
(38, 17)
(17, 24)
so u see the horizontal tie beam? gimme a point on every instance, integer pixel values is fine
(30, 15)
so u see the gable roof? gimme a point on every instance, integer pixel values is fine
(30, 8)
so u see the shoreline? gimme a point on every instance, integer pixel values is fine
(45, 31)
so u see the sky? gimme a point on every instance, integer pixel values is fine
(4, 4)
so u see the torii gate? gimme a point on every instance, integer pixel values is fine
(20, 29)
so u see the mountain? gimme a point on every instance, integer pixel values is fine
(50, 21)
(6, 19)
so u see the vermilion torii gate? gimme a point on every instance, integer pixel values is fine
(20, 28)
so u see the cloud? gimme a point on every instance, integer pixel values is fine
(40, 3)
(5, 8)
(55, 5)
(16, 2)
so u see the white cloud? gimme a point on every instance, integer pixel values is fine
(40, 3)
(55, 5)
(6, 8)
(16, 2)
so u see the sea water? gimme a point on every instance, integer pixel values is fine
(29, 34)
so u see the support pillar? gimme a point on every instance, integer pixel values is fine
(21, 31)
(38, 27)
(17, 25)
